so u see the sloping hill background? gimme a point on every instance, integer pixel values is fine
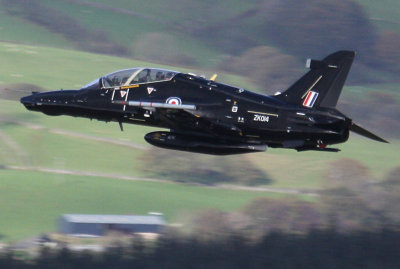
(51, 161)
(203, 32)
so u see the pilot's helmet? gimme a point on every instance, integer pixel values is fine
(159, 75)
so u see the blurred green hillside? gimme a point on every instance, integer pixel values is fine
(42, 152)
(222, 36)
(55, 165)
(201, 34)
(385, 14)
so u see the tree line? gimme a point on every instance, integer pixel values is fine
(354, 223)
(317, 249)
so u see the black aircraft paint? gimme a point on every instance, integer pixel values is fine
(209, 117)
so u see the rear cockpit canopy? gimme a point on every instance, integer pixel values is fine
(135, 76)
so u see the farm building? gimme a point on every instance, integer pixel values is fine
(97, 225)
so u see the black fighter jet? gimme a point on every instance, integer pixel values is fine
(209, 117)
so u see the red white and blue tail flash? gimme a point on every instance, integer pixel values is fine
(310, 99)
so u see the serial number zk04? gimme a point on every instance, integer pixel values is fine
(261, 118)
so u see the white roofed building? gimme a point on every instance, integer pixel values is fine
(98, 225)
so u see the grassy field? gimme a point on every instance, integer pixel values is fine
(31, 202)
(309, 169)
(362, 91)
(73, 69)
(130, 21)
(42, 148)
(385, 14)
(157, 8)
(15, 29)
(124, 29)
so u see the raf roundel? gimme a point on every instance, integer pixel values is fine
(174, 101)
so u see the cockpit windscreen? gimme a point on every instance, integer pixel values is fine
(135, 76)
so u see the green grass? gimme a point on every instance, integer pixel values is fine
(31, 202)
(15, 29)
(16, 111)
(170, 11)
(291, 169)
(51, 150)
(70, 69)
(362, 91)
(287, 168)
(53, 68)
(169, 17)
(124, 29)
(385, 14)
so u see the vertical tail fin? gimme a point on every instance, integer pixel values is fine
(322, 85)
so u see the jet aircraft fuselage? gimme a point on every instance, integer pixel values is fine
(205, 116)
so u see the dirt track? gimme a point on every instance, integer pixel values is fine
(145, 179)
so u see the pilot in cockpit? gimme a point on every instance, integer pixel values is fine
(160, 76)
(144, 76)
(169, 75)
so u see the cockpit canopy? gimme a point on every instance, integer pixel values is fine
(136, 75)
(132, 76)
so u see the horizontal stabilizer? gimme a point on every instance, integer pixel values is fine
(361, 131)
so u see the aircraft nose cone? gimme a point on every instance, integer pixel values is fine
(28, 101)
